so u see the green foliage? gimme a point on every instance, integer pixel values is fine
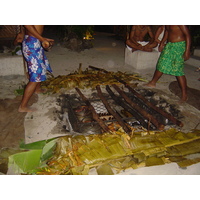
(79, 30)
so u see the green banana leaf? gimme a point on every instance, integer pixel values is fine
(28, 162)
(25, 162)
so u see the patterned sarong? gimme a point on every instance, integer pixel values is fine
(171, 60)
(36, 59)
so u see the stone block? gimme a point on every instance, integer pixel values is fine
(197, 52)
(141, 59)
(11, 65)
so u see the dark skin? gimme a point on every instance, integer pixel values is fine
(175, 33)
(20, 36)
(33, 87)
(138, 32)
(156, 41)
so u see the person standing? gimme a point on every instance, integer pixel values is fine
(33, 46)
(173, 55)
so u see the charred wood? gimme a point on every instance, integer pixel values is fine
(111, 111)
(94, 114)
(160, 111)
(146, 115)
(123, 104)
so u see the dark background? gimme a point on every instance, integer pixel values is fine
(58, 32)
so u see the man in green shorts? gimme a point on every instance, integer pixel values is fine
(174, 53)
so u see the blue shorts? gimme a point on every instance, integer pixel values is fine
(36, 59)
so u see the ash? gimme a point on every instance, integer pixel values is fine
(75, 117)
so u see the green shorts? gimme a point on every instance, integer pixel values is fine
(171, 59)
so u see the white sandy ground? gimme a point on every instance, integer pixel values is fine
(107, 53)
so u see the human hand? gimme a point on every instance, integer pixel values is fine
(139, 46)
(19, 39)
(186, 55)
(47, 44)
(161, 46)
(158, 41)
(49, 40)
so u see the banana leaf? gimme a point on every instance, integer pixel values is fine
(19, 92)
(188, 162)
(25, 162)
(184, 149)
(104, 170)
(34, 145)
(4, 155)
(152, 161)
(77, 155)
(48, 150)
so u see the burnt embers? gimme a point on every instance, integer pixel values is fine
(140, 109)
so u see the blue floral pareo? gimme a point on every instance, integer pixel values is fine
(36, 59)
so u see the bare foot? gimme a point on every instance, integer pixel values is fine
(183, 100)
(133, 50)
(150, 85)
(27, 109)
(197, 70)
(40, 91)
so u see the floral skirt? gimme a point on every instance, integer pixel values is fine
(36, 59)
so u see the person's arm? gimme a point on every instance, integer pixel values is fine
(158, 32)
(20, 36)
(165, 37)
(151, 35)
(186, 32)
(132, 36)
(45, 41)
(31, 29)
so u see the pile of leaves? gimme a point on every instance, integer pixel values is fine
(86, 79)
(109, 153)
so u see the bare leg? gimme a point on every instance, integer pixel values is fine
(147, 48)
(134, 46)
(198, 69)
(39, 90)
(183, 85)
(29, 90)
(156, 77)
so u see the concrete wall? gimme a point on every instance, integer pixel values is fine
(140, 59)
(11, 65)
